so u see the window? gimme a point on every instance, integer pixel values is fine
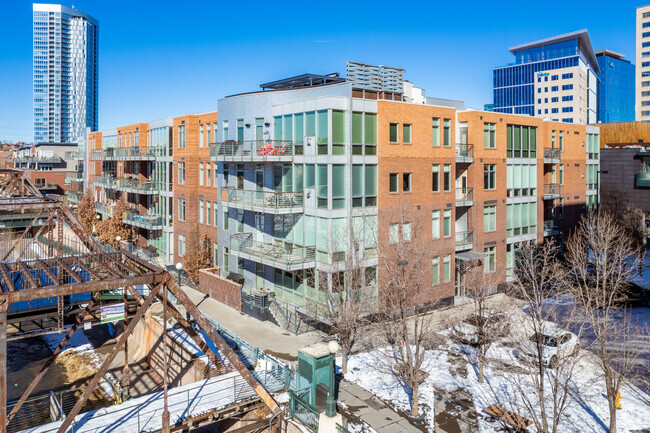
(392, 182)
(446, 178)
(539, 100)
(216, 214)
(555, 99)
(567, 76)
(406, 182)
(240, 130)
(521, 141)
(435, 224)
(490, 135)
(555, 110)
(446, 265)
(226, 136)
(546, 100)
(489, 218)
(201, 212)
(561, 174)
(209, 173)
(567, 87)
(546, 89)
(562, 141)
(435, 271)
(226, 174)
(181, 245)
(490, 262)
(435, 177)
(567, 119)
(553, 77)
(181, 173)
(567, 109)
(447, 133)
(201, 174)
(393, 133)
(181, 209)
(225, 260)
(406, 232)
(225, 219)
(554, 89)
(406, 133)
(489, 176)
(200, 135)
(446, 223)
(208, 212)
(567, 98)
(435, 132)
(393, 234)
(181, 136)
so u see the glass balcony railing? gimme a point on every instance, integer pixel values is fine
(464, 153)
(36, 160)
(464, 241)
(129, 153)
(266, 201)
(133, 218)
(280, 255)
(255, 150)
(464, 197)
(643, 179)
(73, 197)
(551, 227)
(73, 177)
(129, 185)
(551, 191)
(552, 155)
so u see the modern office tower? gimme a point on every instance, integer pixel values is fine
(554, 78)
(65, 74)
(615, 87)
(134, 163)
(642, 77)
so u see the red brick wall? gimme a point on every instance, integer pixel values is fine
(225, 291)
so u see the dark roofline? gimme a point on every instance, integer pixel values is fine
(303, 80)
(581, 35)
(283, 90)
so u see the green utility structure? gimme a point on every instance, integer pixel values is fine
(314, 365)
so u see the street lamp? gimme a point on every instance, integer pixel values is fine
(330, 404)
(118, 238)
(179, 267)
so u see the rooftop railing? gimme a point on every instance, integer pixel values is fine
(36, 159)
(288, 258)
(129, 185)
(255, 150)
(266, 201)
(132, 153)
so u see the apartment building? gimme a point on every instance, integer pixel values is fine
(554, 78)
(134, 163)
(642, 76)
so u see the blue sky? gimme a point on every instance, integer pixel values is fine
(167, 58)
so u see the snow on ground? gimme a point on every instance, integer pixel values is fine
(449, 371)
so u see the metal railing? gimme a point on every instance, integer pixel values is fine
(36, 159)
(551, 227)
(464, 152)
(552, 153)
(149, 222)
(73, 197)
(266, 201)
(255, 150)
(303, 411)
(464, 241)
(129, 185)
(464, 196)
(552, 190)
(73, 177)
(132, 153)
(643, 179)
(287, 257)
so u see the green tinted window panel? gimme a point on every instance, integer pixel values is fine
(371, 180)
(277, 128)
(338, 126)
(299, 127)
(322, 125)
(357, 180)
(357, 128)
(288, 127)
(338, 180)
(310, 124)
(370, 121)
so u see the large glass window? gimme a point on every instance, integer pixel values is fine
(490, 135)
(338, 186)
(406, 182)
(435, 224)
(489, 176)
(447, 133)
(392, 184)
(357, 128)
(435, 262)
(435, 177)
(435, 132)
(181, 245)
(338, 126)
(447, 223)
(371, 128)
(393, 132)
(181, 209)
(181, 136)
(181, 173)
(201, 174)
(447, 177)
(490, 262)
(521, 141)
(406, 133)
(201, 212)
(446, 268)
(310, 124)
(322, 123)
(393, 234)
(489, 218)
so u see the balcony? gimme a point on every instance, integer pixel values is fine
(552, 228)
(642, 179)
(464, 153)
(552, 155)
(73, 197)
(551, 191)
(134, 153)
(134, 186)
(288, 258)
(464, 241)
(133, 218)
(73, 177)
(265, 201)
(255, 151)
(464, 197)
(36, 160)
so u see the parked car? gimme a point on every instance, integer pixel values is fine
(493, 324)
(556, 344)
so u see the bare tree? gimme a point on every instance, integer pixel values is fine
(487, 322)
(602, 258)
(197, 255)
(630, 218)
(544, 355)
(109, 230)
(405, 249)
(351, 298)
(86, 213)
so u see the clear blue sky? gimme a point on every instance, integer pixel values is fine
(167, 58)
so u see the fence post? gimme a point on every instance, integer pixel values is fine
(138, 418)
(234, 389)
(257, 355)
(188, 402)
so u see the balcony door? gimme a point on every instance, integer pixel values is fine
(259, 227)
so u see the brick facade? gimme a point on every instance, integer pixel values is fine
(223, 290)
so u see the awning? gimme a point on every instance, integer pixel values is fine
(468, 256)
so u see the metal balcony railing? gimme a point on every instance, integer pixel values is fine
(464, 197)
(288, 258)
(36, 159)
(149, 222)
(129, 185)
(464, 241)
(266, 201)
(73, 177)
(464, 153)
(255, 150)
(551, 227)
(73, 197)
(552, 155)
(643, 179)
(551, 191)
(132, 153)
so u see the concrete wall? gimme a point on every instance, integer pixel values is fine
(223, 290)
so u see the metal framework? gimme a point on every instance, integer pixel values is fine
(63, 260)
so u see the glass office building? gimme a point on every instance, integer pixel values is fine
(554, 78)
(615, 88)
(65, 74)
